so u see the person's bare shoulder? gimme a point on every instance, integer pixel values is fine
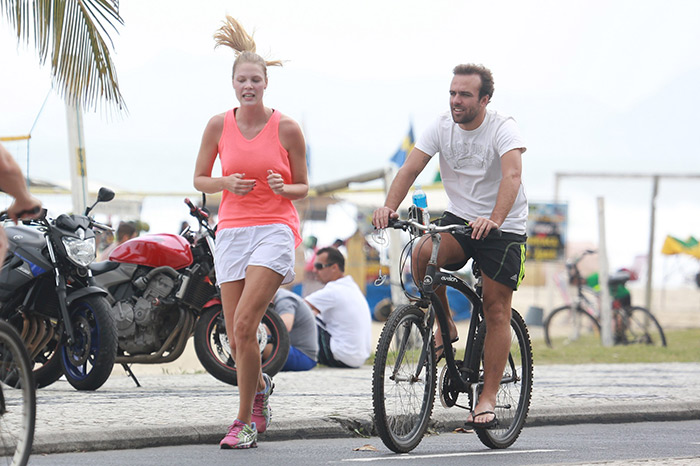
(214, 129)
(216, 122)
(288, 127)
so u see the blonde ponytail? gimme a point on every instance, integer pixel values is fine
(232, 34)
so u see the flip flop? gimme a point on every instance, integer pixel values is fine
(442, 347)
(493, 423)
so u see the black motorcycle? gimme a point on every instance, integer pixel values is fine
(46, 295)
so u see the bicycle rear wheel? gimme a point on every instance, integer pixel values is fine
(17, 407)
(639, 326)
(403, 389)
(564, 327)
(515, 391)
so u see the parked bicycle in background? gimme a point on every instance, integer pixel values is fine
(578, 323)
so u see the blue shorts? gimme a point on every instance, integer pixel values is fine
(298, 361)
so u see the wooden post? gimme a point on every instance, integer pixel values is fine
(76, 155)
(356, 263)
(395, 246)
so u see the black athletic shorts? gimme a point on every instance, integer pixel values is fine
(501, 259)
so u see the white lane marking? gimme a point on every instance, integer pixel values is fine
(408, 456)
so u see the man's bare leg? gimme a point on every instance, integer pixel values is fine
(497, 312)
(450, 252)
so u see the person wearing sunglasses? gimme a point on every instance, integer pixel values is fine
(342, 313)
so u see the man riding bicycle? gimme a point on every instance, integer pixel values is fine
(481, 165)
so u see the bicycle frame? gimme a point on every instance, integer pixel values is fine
(432, 279)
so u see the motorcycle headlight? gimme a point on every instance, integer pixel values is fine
(80, 251)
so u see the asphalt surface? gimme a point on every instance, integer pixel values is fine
(171, 409)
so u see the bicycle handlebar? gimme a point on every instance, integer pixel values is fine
(576, 260)
(432, 228)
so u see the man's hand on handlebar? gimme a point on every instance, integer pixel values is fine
(23, 209)
(381, 216)
(481, 227)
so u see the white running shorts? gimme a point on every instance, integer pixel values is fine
(270, 246)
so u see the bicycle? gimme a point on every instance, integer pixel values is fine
(574, 324)
(17, 407)
(405, 367)
(578, 324)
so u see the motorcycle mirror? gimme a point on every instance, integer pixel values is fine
(103, 195)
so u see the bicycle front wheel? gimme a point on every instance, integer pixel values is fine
(403, 381)
(636, 325)
(566, 326)
(515, 390)
(17, 399)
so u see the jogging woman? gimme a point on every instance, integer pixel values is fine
(263, 164)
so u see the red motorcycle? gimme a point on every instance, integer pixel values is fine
(162, 290)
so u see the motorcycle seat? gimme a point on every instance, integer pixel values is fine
(99, 268)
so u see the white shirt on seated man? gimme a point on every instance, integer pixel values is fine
(342, 313)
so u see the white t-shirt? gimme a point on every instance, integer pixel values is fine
(346, 315)
(470, 166)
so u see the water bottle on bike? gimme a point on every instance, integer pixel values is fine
(420, 200)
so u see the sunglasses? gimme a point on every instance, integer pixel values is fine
(319, 266)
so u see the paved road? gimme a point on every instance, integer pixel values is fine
(640, 443)
(324, 402)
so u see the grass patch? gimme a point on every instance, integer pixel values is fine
(682, 346)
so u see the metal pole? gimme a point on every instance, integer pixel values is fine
(650, 254)
(605, 310)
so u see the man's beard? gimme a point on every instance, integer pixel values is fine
(468, 115)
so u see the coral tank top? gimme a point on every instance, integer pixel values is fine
(255, 157)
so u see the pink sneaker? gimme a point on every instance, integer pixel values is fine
(262, 413)
(240, 436)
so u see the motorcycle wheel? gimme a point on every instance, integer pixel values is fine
(88, 362)
(213, 350)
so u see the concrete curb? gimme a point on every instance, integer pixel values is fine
(338, 427)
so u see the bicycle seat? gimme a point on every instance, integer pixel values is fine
(619, 278)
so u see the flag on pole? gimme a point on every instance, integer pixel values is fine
(406, 146)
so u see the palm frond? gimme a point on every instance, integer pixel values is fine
(72, 33)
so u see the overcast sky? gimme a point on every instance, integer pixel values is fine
(595, 86)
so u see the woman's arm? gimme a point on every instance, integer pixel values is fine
(292, 139)
(208, 150)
